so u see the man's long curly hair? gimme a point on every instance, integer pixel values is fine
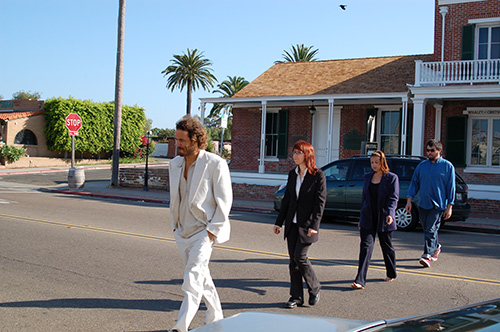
(195, 130)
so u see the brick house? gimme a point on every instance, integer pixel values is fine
(22, 125)
(399, 102)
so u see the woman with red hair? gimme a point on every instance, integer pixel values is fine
(301, 211)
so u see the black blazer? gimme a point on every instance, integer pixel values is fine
(309, 205)
(388, 196)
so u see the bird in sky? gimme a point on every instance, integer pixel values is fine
(343, 7)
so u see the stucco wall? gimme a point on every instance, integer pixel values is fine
(36, 124)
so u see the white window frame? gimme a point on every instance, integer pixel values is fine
(388, 108)
(489, 26)
(268, 157)
(454, 2)
(481, 113)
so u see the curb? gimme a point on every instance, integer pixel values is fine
(103, 195)
(150, 200)
(480, 228)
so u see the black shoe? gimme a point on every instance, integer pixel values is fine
(293, 303)
(313, 299)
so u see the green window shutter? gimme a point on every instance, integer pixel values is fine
(282, 134)
(468, 42)
(456, 135)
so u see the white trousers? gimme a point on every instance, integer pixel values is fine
(198, 283)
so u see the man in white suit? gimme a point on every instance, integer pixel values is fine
(200, 200)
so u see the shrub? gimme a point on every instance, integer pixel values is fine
(11, 153)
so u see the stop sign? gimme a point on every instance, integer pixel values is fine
(73, 123)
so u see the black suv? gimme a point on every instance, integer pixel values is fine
(344, 180)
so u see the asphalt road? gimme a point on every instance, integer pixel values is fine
(75, 263)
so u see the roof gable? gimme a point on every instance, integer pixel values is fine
(346, 76)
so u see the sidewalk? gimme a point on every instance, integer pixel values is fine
(103, 189)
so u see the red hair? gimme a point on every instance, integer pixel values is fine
(310, 157)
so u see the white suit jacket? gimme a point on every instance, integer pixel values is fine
(210, 193)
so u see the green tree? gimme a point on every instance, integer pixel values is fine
(215, 133)
(189, 71)
(299, 53)
(163, 134)
(227, 88)
(26, 95)
(96, 134)
(147, 125)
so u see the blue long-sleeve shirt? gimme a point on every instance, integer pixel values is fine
(436, 183)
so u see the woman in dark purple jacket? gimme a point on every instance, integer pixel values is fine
(380, 200)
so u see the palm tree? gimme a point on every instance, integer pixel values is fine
(189, 70)
(118, 95)
(299, 53)
(227, 88)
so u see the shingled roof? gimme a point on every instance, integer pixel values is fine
(347, 76)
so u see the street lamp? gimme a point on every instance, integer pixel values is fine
(147, 139)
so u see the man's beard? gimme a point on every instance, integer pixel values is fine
(434, 158)
(186, 151)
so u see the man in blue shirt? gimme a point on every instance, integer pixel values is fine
(434, 179)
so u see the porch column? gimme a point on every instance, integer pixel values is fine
(417, 145)
(336, 133)
(329, 152)
(437, 121)
(262, 137)
(202, 110)
(404, 125)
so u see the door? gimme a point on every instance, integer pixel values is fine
(320, 135)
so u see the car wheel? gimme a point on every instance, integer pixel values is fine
(406, 221)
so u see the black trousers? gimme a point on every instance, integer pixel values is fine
(300, 266)
(366, 250)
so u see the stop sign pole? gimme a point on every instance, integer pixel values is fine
(73, 123)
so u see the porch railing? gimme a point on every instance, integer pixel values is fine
(457, 72)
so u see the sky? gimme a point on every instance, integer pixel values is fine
(63, 48)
